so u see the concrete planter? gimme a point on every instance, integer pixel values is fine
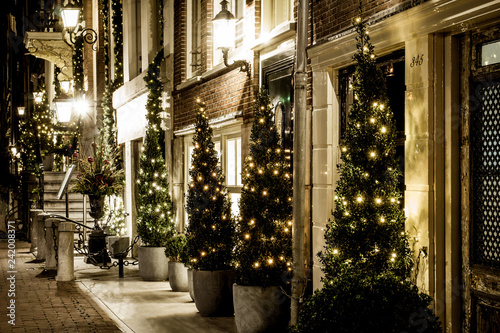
(117, 244)
(178, 276)
(190, 283)
(260, 309)
(213, 292)
(153, 263)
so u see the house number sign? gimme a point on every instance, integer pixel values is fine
(417, 61)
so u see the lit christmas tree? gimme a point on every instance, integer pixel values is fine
(264, 230)
(210, 232)
(155, 222)
(367, 259)
(37, 135)
(114, 215)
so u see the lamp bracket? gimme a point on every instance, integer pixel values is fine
(242, 64)
(89, 35)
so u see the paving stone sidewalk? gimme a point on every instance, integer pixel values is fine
(38, 303)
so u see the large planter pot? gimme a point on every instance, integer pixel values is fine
(96, 206)
(260, 309)
(153, 263)
(178, 276)
(190, 283)
(213, 292)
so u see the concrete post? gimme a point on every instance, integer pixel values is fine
(50, 253)
(65, 252)
(38, 231)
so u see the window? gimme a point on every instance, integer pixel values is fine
(275, 13)
(237, 8)
(490, 53)
(232, 171)
(194, 38)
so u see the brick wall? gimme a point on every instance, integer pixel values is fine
(223, 94)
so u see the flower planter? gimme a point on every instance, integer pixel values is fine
(153, 264)
(178, 276)
(260, 309)
(213, 292)
(190, 283)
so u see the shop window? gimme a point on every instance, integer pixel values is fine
(394, 69)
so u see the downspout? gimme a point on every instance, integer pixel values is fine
(299, 161)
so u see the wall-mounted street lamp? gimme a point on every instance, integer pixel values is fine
(224, 35)
(70, 15)
(64, 108)
(21, 110)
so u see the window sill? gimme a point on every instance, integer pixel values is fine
(276, 36)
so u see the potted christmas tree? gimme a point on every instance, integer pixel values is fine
(175, 250)
(210, 232)
(367, 259)
(264, 237)
(155, 222)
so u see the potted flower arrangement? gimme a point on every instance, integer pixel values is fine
(100, 176)
(175, 250)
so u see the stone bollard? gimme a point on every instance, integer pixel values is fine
(39, 232)
(65, 252)
(50, 251)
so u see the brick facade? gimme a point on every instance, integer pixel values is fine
(224, 92)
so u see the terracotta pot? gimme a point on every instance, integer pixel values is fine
(178, 276)
(260, 309)
(213, 292)
(153, 263)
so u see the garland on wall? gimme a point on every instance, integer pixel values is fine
(108, 117)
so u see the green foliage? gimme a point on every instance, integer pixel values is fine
(263, 252)
(37, 135)
(175, 248)
(210, 232)
(367, 230)
(365, 304)
(155, 223)
(367, 259)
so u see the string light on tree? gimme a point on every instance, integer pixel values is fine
(264, 242)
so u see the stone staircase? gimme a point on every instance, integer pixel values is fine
(52, 183)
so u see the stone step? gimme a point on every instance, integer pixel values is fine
(72, 196)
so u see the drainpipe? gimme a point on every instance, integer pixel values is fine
(299, 157)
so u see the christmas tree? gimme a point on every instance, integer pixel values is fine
(155, 222)
(367, 259)
(210, 232)
(264, 238)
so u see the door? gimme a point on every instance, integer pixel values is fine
(480, 156)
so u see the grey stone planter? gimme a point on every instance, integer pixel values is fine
(260, 309)
(178, 276)
(153, 263)
(213, 292)
(117, 244)
(190, 283)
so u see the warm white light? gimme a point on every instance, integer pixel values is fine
(224, 28)
(21, 110)
(38, 96)
(70, 16)
(64, 108)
